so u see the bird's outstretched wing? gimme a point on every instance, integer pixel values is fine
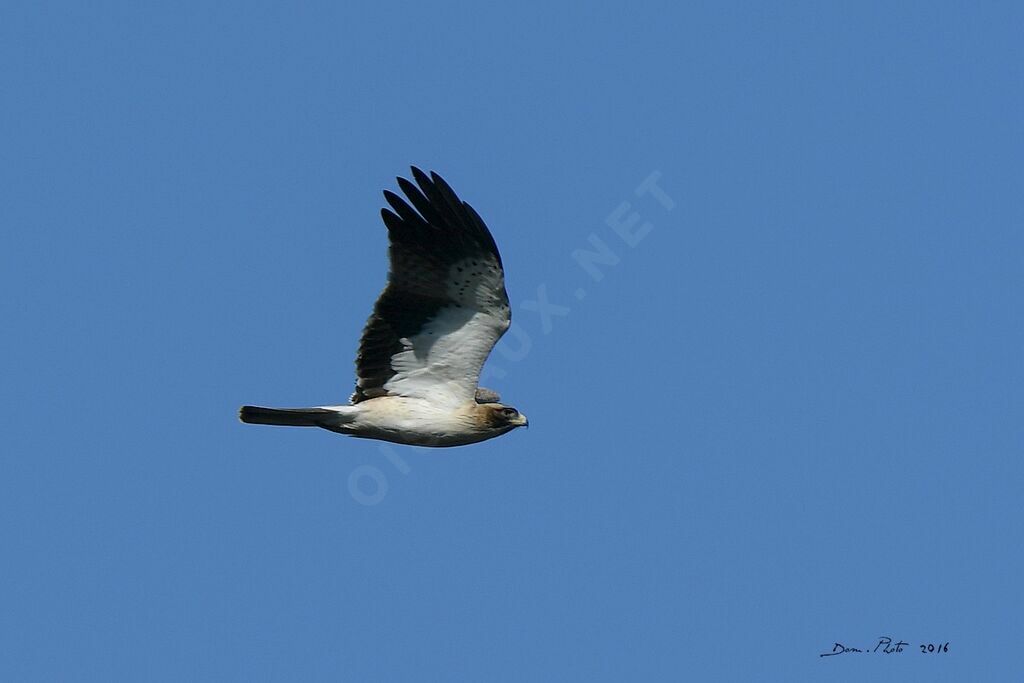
(445, 304)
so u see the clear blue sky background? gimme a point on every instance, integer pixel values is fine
(790, 415)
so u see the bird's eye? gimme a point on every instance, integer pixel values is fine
(509, 412)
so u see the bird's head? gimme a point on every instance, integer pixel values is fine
(505, 418)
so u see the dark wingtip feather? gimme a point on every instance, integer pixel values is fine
(422, 180)
(419, 201)
(440, 182)
(393, 199)
(391, 219)
(404, 211)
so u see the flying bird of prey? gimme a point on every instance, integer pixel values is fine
(442, 311)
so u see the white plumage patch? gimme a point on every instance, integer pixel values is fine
(444, 361)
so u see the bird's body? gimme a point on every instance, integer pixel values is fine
(431, 330)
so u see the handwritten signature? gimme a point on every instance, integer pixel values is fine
(886, 646)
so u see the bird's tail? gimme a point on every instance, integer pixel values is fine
(293, 417)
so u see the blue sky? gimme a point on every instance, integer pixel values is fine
(789, 414)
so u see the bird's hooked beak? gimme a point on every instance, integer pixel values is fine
(521, 421)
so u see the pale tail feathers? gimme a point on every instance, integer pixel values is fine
(333, 419)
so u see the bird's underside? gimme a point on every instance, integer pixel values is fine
(442, 311)
(404, 420)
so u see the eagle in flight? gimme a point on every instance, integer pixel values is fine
(442, 311)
